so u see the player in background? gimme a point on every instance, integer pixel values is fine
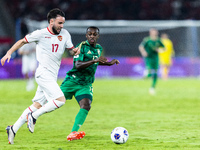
(149, 48)
(29, 64)
(51, 43)
(78, 81)
(165, 57)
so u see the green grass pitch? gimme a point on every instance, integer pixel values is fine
(168, 120)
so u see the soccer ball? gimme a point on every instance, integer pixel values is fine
(119, 135)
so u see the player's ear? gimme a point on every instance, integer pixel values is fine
(51, 21)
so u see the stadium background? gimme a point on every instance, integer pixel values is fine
(123, 24)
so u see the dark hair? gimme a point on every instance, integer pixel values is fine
(93, 27)
(54, 13)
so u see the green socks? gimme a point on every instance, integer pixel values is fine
(155, 77)
(80, 118)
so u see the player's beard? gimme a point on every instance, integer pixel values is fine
(55, 31)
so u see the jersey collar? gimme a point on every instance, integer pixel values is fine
(50, 31)
(90, 45)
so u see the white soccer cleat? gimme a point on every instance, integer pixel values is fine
(11, 134)
(31, 122)
(152, 91)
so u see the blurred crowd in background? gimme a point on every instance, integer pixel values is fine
(99, 10)
(107, 9)
(116, 42)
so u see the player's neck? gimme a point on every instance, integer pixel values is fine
(49, 28)
(93, 44)
(154, 38)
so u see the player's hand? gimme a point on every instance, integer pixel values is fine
(101, 59)
(76, 51)
(160, 50)
(115, 61)
(6, 57)
(144, 53)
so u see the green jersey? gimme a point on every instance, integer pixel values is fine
(85, 76)
(151, 46)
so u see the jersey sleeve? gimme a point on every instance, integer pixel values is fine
(144, 42)
(33, 37)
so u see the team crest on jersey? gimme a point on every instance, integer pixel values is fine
(89, 52)
(60, 38)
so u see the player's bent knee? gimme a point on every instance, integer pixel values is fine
(37, 105)
(87, 107)
(62, 99)
(85, 104)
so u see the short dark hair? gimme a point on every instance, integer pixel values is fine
(54, 13)
(93, 27)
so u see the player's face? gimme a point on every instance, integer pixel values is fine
(92, 35)
(164, 36)
(57, 24)
(153, 34)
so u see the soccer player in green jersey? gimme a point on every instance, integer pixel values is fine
(78, 81)
(149, 49)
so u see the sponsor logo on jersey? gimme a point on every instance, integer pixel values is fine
(60, 38)
(47, 37)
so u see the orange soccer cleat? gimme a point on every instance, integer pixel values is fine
(75, 135)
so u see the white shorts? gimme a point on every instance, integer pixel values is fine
(28, 64)
(48, 88)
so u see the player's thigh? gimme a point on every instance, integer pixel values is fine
(68, 88)
(48, 85)
(39, 97)
(85, 91)
(147, 63)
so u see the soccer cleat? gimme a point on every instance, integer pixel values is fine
(11, 134)
(75, 135)
(30, 122)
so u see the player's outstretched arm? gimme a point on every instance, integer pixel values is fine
(85, 64)
(114, 61)
(16, 46)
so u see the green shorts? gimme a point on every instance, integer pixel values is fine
(71, 89)
(151, 64)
